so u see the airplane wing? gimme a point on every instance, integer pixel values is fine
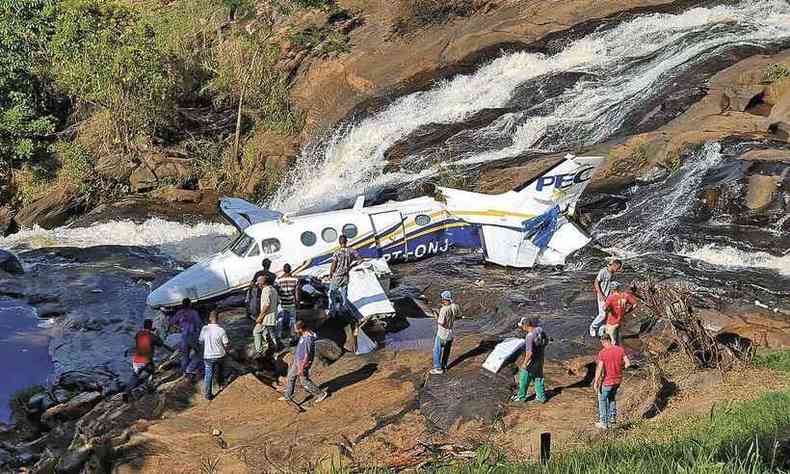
(243, 214)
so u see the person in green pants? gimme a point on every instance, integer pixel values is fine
(532, 366)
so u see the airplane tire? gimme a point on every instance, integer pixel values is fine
(327, 350)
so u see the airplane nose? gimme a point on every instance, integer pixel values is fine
(166, 295)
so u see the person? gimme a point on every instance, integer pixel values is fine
(188, 320)
(266, 320)
(300, 367)
(618, 304)
(608, 377)
(145, 343)
(252, 297)
(601, 288)
(215, 346)
(343, 261)
(532, 363)
(444, 332)
(289, 298)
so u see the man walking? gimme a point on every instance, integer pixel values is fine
(145, 344)
(215, 346)
(532, 365)
(618, 304)
(300, 367)
(601, 288)
(444, 332)
(189, 322)
(264, 333)
(343, 261)
(608, 377)
(286, 290)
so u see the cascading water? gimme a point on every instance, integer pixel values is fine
(622, 68)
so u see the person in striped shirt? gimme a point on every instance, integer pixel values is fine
(286, 287)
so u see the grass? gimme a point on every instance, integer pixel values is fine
(776, 72)
(779, 360)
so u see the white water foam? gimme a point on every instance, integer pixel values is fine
(732, 257)
(180, 241)
(627, 64)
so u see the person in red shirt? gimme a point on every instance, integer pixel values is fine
(617, 305)
(145, 343)
(608, 377)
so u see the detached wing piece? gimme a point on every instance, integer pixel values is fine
(243, 214)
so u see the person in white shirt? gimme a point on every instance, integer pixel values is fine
(215, 346)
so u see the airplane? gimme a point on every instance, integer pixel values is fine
(529, 225)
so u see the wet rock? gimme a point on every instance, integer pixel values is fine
(10, 264)
(40, 402)
(7, 460)
(73, 460)
(157, 168)
(53, 209)
(653, 175)
(72, 409)
(45, 465)
(179, 195)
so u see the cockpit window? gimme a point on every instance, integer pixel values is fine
(254, 251)
(270, 246)
(242, 244)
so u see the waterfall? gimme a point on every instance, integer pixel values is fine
(621, 68)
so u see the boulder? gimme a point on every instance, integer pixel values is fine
(761, 190)
(142, 179)
(179, 195)
(72, 409)
(7, 224)
(779, 120)
(53, 209)
(117, 167)
(10, 264)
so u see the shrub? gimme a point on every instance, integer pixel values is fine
(107, 54)
(779, 360)
(415, 14)
(776, 72)
(30, 184)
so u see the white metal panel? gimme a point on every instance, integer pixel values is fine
(366, 293)
(502, 352)
(386, 236)
(507, 247)
(567, 239)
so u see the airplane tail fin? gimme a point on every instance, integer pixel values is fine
(562, 184)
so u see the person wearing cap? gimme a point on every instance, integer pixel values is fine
(265, 329)
(602, 288)
(444, 332)
(608, 377)
(532, 365)
(618, 304)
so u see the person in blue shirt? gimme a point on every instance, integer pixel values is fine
(300, 368)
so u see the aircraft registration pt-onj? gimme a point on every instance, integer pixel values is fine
(529, 225)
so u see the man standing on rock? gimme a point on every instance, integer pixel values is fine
(601, 287)
(286, 290)
(145, 344)
(215, 346)
(444, 332)
(264, 333)
(608, 377)
(532, 365)
(300, 367)
(189, 322)
(343, 261)
(252, 298)
(618, 304)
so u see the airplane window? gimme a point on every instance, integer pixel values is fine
(422, 219)
(270, 246)
(255, 251)
(329, 234)
(308, 238)
(350, 231)
(242, 244)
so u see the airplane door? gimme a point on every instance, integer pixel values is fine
(390, 235)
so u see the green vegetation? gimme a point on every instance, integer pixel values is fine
(19, 416)
(779, 360)
(776, 72)
(85, 79)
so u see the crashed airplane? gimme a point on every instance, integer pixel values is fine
(529, 225)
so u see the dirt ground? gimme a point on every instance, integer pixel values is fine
(373, 416)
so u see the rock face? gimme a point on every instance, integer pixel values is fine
(10, 264)
(52, 210)
(779, 120)
(72, 409)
